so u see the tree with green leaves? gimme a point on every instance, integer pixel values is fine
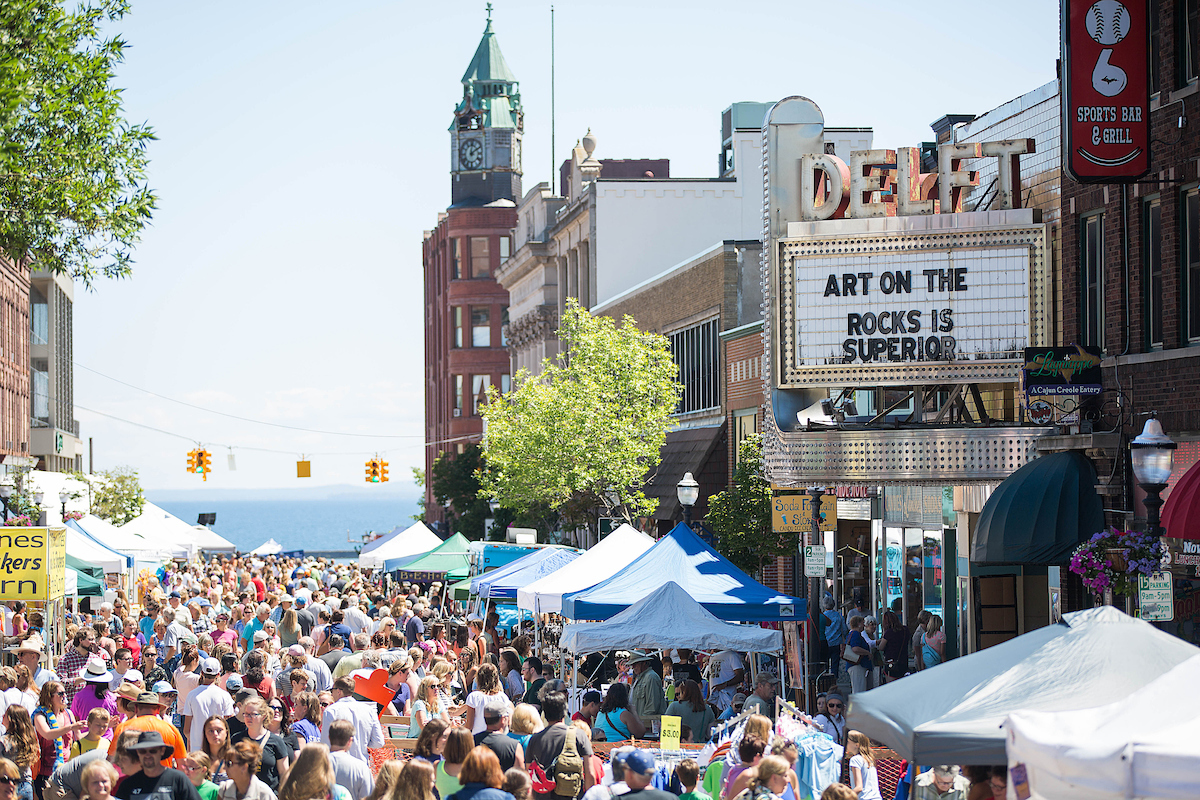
(741, 515)
(455, 484)
(585, 433)
(73, 197)
(117, 495)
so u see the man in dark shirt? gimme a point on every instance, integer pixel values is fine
(531, 671)
(547, 744)
(496, 738)
(336, 652)
(414, 631)
(304, 616)
(154, 777)
(685, 667)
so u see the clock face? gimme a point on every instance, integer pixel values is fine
(470, 153)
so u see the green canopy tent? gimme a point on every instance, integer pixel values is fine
(450, 560)
(86, 585)
(81, 566)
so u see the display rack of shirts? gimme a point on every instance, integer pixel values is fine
(818, 756)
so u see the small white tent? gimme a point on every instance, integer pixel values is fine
(85, 548)
(268, 548)
(613, 553)
(1146, 745)
(951, 713)
(668, 618)
(131, 542)
(414, 540)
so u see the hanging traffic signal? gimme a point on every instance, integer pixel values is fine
(203, 463)
(192, 460)
(383, 478)
(373, 470)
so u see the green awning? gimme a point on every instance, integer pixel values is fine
(79, 565)
(461, 590)
(1040, 513)
(451, 557)
(86, 585)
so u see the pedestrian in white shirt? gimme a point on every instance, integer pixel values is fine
(209, 699)
(349, 772)
(367, 732)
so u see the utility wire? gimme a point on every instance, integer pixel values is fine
(261, 449)
(248, 419)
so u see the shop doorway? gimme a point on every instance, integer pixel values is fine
(996, 612)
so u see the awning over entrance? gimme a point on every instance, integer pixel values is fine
(1040, 513)
(686, 450)
(1181, 512)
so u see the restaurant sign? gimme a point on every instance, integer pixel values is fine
(1062, 370)
(1106, 90)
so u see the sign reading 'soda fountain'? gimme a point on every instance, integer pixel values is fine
(884, 276)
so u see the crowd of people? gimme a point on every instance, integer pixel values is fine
(857, 647)
(266, 679)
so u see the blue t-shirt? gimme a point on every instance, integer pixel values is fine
(857, 640)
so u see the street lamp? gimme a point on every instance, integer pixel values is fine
(38, 497)
(63, 497)
(1153, 454)
(689, 493)
(6, 492)
(493, 505)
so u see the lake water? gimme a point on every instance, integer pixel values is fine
(313, 525)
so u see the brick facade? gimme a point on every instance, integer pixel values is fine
(1141, 375)
(14, 358)
(446, 431)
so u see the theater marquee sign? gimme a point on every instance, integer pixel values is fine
(905, 301)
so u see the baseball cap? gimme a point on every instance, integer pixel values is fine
(133, 676)
(739, 699)
(260, 636)
(233, 683)
(174, 594)
(639, 762)
(211, 667)
(164, 687)
(287, 598)
(301, 600)
(591, 696)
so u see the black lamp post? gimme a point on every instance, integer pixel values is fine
(689, 493)
(1153, 454)
(63, 497)
(6, 492)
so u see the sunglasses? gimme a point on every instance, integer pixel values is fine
(7, 781)
(833, 705)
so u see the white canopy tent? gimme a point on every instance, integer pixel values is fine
(416, 539)
(951, 713)
(157, 524)
(268, 548)
(668, 618)
(142, 548)
(613, 553)
(1146, 745)
(83, 547)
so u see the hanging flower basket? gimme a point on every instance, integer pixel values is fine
(1114, 559)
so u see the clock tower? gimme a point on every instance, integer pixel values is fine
(485, 137)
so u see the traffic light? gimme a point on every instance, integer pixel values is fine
(383, 478)
(203, 463)
(192, 461)
(373, 471)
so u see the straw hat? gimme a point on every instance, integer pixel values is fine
(96, 671)
(129, 692)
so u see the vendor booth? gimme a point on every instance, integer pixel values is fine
(450, 560)
(1146, 745)
(502, 583)
(668, 618)
(412, 542)
(155, 524)
(613, 553)
(703, 573)
(951, 713)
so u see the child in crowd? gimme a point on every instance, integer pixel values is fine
(688, 772)
(97, 727)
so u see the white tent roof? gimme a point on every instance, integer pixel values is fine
(268, 548)
(951, 713)
(71, 583)
(83, 547)
(614, 552)
(156, 524)
(1145, 745)
(125, 540)
(668, 618)
(413, 540)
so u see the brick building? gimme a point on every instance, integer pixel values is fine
(1131, 271)
(14, 359)
(465, 308)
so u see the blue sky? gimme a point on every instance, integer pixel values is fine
(303, 149)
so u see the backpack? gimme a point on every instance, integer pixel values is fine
(567, 769)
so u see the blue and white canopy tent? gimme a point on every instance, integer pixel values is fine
(704, 574)
(503, 583)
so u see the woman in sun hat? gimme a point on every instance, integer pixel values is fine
(95, 694)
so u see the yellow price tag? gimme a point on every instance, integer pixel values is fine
(671, 731)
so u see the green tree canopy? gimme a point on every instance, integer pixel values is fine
(741, 515)
(73, 197)
(585, 432)
(117, 495)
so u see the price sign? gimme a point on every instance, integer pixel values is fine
(792, 513)
(814, 561)
(671, 732)
(1156, 597)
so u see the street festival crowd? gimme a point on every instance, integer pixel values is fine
(244, 679)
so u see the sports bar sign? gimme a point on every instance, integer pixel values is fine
(1106, 99)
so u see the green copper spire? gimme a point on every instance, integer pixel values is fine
(488, 63)
(491, 93)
